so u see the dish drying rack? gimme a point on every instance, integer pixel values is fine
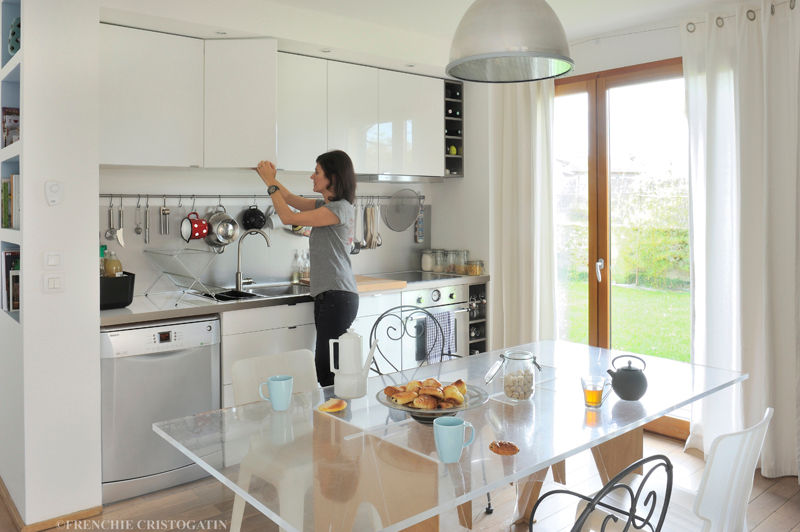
(184, 267)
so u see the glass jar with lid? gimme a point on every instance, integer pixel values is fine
(426, 261)
(518, 374)
(462, 255)
(438, 260)
(451, 256)
(474, 267)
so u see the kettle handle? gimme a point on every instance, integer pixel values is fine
(330, 353)
(613, 362)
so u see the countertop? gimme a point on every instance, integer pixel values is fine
(169, 305)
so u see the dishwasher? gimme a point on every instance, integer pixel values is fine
(152, 372)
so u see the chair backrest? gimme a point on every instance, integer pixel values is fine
(412, 323)
(250, 372)
(728, 477)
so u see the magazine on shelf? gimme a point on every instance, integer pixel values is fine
(15, 200)
(13, 294)
(10, 118)
(5, 203)
(9, 264)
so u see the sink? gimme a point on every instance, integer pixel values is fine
(229, 295)
(279, 290)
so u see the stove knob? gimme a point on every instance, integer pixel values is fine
(436, 295)
(419, 301)
(452, 295)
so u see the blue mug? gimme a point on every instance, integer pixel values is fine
(448, 432)
(280, 391)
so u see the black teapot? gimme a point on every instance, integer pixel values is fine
(253, 218)
(628, 382)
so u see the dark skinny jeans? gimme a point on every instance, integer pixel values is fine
(334, 312)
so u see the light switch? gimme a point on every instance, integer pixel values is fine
(53, 192)
(52, 259)
(53, 282)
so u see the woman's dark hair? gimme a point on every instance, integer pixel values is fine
(338, 169)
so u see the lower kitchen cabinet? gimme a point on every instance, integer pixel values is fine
(262, 331)
(370, 308)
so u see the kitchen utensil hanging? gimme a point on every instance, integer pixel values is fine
(401, 210)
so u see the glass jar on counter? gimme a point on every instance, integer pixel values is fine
(426, 261)
(474, 267)
(462, 256)
(451, 256)
(438, 260)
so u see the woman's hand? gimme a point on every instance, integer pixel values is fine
(267, 171)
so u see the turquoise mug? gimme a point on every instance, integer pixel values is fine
(448, 433)
(280, 391)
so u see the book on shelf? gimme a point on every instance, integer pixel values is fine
(10, 118)
(8, 265)
(10, 202)
(13, 292)
(5, 203)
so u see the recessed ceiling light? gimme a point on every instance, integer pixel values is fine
(222, 33)
(326, 50)
(410, 65)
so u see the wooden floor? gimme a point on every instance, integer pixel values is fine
(774, 504)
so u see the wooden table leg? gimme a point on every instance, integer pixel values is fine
(528, 490)
(615, 455)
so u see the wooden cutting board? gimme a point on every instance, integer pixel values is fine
(366, 283)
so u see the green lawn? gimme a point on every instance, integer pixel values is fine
(643, 320)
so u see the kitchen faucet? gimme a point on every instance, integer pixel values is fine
(239, 255)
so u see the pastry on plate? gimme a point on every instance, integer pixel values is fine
(431, 390)
(432, 382)
(461, 385)
(403, 397)
(425, 402)
(392, 390)
(451, 393)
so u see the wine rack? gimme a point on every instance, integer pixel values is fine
(453, 128)
(477, 319)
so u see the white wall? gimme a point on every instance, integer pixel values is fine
(61, 375)
(632, 47)
(398, 251)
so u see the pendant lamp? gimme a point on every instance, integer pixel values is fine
(504, 41)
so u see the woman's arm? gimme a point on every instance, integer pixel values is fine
(310, 216)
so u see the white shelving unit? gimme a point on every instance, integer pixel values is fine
(10, 238)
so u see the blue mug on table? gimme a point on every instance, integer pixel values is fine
(280, 391)
(448, 432)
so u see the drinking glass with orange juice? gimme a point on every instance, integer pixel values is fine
(594, 392)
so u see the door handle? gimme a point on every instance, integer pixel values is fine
(599, 265)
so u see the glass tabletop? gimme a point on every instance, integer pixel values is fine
(373, 467)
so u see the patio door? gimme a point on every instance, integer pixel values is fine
(621, 185)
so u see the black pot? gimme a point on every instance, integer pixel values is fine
(253, 218)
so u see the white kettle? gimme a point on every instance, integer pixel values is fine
(350, 378)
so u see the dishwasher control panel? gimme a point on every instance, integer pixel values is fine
(154, 338)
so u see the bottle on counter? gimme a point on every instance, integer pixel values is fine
(103, 249)
(297, 267)
(113, 267)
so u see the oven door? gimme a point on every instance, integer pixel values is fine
(415, 344)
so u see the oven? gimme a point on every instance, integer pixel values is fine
(440, 302)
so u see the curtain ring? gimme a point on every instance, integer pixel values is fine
(690, 27)
(751, 15)
(720, 22)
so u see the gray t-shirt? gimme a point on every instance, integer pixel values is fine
(330, 250)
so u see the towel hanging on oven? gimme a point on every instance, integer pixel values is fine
(435, 344)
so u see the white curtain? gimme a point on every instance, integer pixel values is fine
(522, 252)
(742, 72)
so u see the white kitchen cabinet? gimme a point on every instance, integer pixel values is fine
(353, 114)
(411, 124)
(262, 331)
(302, 111)
(151, 98)
(240, 100)
(370, 307)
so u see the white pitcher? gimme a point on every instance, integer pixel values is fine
(350, 377)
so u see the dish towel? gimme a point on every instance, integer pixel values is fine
(434, 343)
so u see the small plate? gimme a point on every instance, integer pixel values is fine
(475, 397)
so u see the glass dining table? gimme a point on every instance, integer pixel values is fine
(372, 467)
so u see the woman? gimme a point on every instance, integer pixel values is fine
(331, 218)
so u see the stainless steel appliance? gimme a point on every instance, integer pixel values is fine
(151, 372)
(453, 299)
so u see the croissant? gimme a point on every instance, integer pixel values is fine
(425, 402)
(445, 404)
(413, 386)
(403, 397)
(461, 385)
(451, 393)
(432, 382)
(430, 390)
(392, 390)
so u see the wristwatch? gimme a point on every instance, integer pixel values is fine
(272, 189)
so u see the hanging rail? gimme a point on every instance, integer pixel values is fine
(220, 197)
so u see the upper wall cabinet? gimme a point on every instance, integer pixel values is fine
(302, 113)
(240, 101)
(353, 114)
(411, 129)
(151, 98)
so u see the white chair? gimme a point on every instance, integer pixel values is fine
(720, 502)
(247, 375)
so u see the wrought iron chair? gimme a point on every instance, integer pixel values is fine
(624, 504)
(411, 322)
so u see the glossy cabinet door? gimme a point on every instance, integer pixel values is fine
(353, 114)
(302, 111)
(240, 100)
(411, 124)
(151, 98)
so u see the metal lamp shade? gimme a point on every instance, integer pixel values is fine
(504, 41)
